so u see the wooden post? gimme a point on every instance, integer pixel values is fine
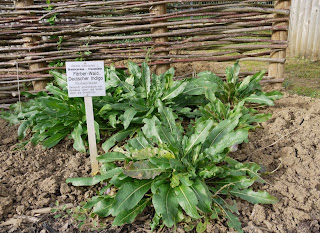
(160, 9)
(37, 85)
(91, 135)
(276, 70)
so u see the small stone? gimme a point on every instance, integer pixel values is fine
(20, 209)
(64, 188)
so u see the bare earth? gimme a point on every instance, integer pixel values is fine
(32, 178)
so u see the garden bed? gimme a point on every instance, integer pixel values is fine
(33, 178)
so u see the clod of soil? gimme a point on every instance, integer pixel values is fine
(288, 144)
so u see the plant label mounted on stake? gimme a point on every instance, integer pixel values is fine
(86, 79)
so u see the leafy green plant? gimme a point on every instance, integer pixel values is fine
(232, 91)
(180, 172)
(134, 98)
(52, 117)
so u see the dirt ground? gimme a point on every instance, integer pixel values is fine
(33, 178)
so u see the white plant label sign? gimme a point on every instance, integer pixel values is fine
(85, 78)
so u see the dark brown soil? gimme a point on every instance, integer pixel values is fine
(33, 178)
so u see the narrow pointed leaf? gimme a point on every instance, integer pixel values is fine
(103, 207)
(167, 117)
(233, 221)
(259, 99)
(128, 216)
(112, 157)
(117, 137)
(150, 130)
(223, 128)
(187, 200)
(89, 181)
(175, 90)
(142, 170)
(200, 135)
(146, 77)
(60, 78)
(255, 197)
(166, 204)
(203, 194)
(227, 141)
(129, 195)
(128, 116)
(55, 139)
(22, 130)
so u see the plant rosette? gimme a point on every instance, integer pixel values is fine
(181, 173)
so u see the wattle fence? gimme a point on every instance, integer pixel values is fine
(39, 35)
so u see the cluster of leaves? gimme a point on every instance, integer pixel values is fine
(133, 98)
(181, 172)
(51, 117)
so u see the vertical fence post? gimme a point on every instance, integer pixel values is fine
(276, 70)
(158, 10)
(30, 41)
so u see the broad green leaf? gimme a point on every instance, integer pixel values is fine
(227, 141)
(200, 135)
(149, 129)
(113, 120)
(55, 139)
(60, 78)
(146, 78)
(244, 84)
(78, 142)
(57, 91)
(259, 99)
(203, 194)
(94, 200)
(117, 137)
(103, 207)
(274, 95)
(187, 200)
(22, 130)
(233, 221)
(168, 76)
(139, 142)
(255, 197)
(232, 73)
(128, 216)
(142, 170)
(130, 195)
(97, 130)
(126, 86)
(176, 89)
(160, 162)
(135, 71)
(166, 204)
(222, 129)
(111, 157)
(90, 181)
(128, 116)
(238, 182)
(167, 117)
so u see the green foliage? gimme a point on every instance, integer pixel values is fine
(135, 100)
(51, 117)
(182, 172)
(233, 91)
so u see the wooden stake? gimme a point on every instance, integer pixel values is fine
(31, 41)
(91, 135)
(276, 70)
(160, 9)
